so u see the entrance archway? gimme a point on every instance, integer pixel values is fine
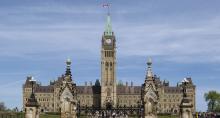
(108, 106)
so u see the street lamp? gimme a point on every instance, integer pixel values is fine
(184, 84)
(32, 84)
(79, 109)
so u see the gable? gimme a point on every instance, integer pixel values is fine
(66, 94)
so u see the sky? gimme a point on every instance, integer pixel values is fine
(181, 36)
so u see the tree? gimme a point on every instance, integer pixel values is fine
(2, 106)
(213, 98)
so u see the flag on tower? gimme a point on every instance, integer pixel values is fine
(107, 5)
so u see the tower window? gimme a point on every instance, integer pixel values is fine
(108, 92)
(106, 64)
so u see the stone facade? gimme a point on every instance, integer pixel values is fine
(68, 95)
(108, 92)
(149, 94)
(186, 104)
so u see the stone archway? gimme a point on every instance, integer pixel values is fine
(108, 105)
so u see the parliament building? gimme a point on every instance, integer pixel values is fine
(107, 93)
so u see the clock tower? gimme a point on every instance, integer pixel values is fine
(108, 67)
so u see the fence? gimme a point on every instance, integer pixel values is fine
(11, 115)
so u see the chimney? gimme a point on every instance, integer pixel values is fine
(85, 83)
(90, 83)
(126, 83)
(131, 84)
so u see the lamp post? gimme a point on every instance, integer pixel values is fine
(78, 108)
(140, 109)
(184, 84)
(32, 84)
(31, 107)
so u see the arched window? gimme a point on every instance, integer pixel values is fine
(108, 92)
(106, 64)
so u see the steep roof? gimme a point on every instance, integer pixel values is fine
(131, 90)
(170, 89)
(44, 89)
(88, 89)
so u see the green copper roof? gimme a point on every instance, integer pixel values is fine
(108, 27)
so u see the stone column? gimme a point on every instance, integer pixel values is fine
(31, 112)
(149, 94)
(68, 95)
(31, 107)
(186, 105)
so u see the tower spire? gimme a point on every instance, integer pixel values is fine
(108, 26)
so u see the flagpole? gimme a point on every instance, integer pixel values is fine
(108, 6)
(108, 9)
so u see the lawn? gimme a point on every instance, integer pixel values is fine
(57, 116)
(49, 116)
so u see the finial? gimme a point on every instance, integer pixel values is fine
(149, 68)
(68, 66)
(149, 62)
(32, 79)
(68, 62)
(32, 84)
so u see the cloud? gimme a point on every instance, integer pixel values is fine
(36, 36)
(45, 27)
(183, 43)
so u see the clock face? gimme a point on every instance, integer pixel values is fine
(108, 41)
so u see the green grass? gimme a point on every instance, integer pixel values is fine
(57, 116)
(82, 116)
(168, 117)
(49, 116)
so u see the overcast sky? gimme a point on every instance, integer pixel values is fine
(36, 37)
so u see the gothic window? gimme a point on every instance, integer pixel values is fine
(108, 92)
(106, 64)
